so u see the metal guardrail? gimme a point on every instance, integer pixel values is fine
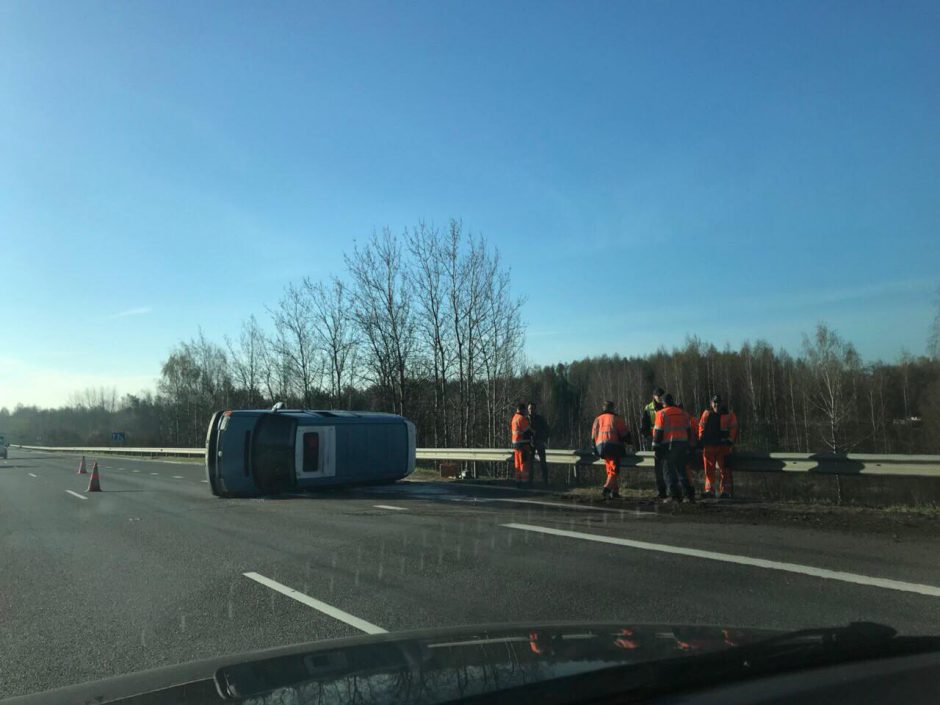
(853, 464)
(153, 452)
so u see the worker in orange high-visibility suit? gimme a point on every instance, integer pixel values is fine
(671, 436)
(693, 462)
(718, 430)
(610, 435)
(521, 444)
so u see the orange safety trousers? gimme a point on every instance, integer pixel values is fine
(715, 464)
(522, 461)
(612, 466)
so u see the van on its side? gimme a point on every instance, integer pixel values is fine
(257, 452)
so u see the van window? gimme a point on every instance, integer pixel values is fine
(311, 452)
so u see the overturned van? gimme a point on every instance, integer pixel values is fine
(254, 452)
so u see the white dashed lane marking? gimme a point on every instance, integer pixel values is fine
(326, 609)
(76, 494)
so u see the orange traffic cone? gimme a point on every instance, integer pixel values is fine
(94, 484)
(81, 467)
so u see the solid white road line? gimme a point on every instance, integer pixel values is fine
(389, 506)
(326, 609)
(929, 590)
(76, 494)
(31, 474)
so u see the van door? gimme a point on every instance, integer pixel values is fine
(315, 452)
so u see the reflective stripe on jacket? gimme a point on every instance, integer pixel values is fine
(716, 428)
(609, 428)
(672, 426)
(729, 426)
(649, 418)
(519, 426)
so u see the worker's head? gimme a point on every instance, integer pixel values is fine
(669, 400)
(658, 393)
(520, 408)
(608, 406)
(531, 408)
(716, 403)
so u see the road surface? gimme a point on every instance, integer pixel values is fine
(154, 570)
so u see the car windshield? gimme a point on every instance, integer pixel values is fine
(532, 319)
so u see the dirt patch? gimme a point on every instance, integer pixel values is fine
(898, 521)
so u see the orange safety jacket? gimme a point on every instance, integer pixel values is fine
(672, 426)
(727, 427)
(609, 433)
(693, 427)
(521, 434)
(609, 428)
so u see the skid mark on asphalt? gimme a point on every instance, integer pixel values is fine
(825, 573)
(326, 609)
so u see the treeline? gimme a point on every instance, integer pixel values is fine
(824, 399)
(425, 323)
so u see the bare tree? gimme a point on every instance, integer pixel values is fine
(334, 333)
(933, 338)
(501, 342)
(294, 341)
(832, 362)
(246, 360)
(382, 309)
(427, 280)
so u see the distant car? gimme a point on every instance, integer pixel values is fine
(252, 452)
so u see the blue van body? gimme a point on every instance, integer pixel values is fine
(258, 452)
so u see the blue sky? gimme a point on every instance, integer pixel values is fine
(166, 166)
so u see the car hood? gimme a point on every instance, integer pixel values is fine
(430, 666)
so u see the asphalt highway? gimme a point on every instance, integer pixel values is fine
(154, 570)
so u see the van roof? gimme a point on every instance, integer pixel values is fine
(336, 414)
